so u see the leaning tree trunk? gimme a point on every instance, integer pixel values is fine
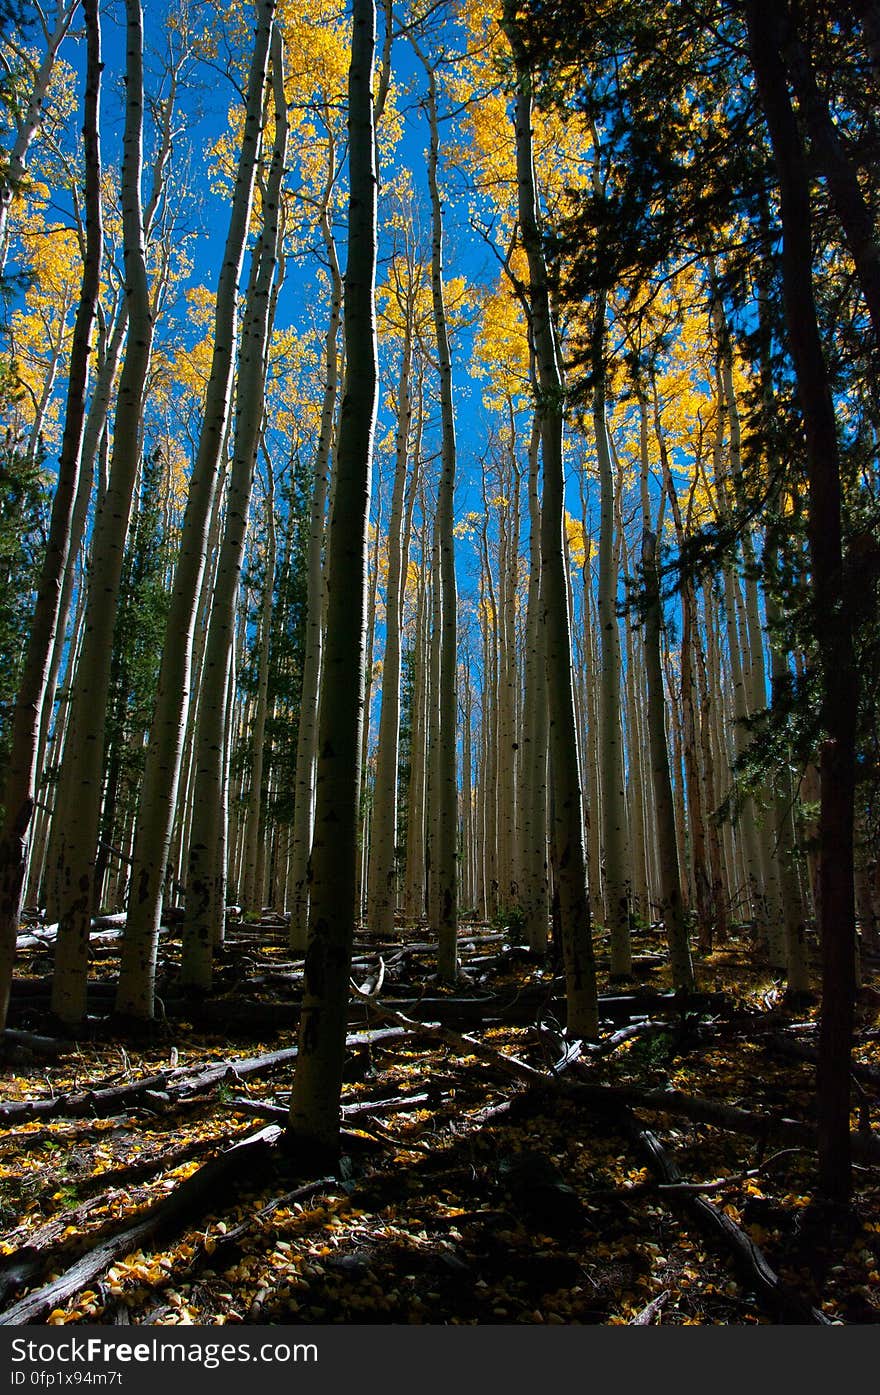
(22, 769)
(568, 815)
(317, 1082)
(78, 801)
(158, 797)
(832, 618)
(14, 164)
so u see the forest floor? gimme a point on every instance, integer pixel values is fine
(472, 1188)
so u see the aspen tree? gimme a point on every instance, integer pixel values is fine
(365, 777)
(433, 757)
(206, 876)
(79, 787)
(671, 908)
(783, 792)
(690, 715)
(317, 1082)
(135, 990)
(252, 884)
(382, 867)
(93, 429)
(593, 780)
(414, 879)
(507, 732)
(534, 884)
(751, 647)
(746, 822)
(571, 879)
(614, 826)
(15, 163)
(446, 791)
(635, 802)
(307, 735)
(489, 780)
(467, 889)
(717, 895)
(22, 769)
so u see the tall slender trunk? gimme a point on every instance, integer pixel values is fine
(78, 803)
(317, 1083)
(534, 884)
(252, 889)
(414, 885)
(570, 865)
(307, 734)
(446, 925)
(206, 870)
(158, 798)
(672, 911)
(831, 615)
(22, 770)
(614, 830)
(382, 866)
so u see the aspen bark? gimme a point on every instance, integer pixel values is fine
(447, 790)
(252, 888)
(15, 163)
(672, 910)
(382, 864)
(307, 735)
(22, 769)
(135, 990)
(534, 883)
(205, 898)
(571, 877)
(414, 886)
(78, 803)
(614, 827)
(314, 1105)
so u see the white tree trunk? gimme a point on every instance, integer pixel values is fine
(206, 870)
(135, 990)
(78, 803)
(22, 768)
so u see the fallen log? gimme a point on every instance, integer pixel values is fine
(800, 1051)
(775, 1297)
(464, 1045)
(32, 1043)
(23, 1265)
(218, 1248)
(39, 1248)
(164, 1161)
(650, 1311)
(866, 1148)
(177, 1083)
(190, 1199)
(265, 1110)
